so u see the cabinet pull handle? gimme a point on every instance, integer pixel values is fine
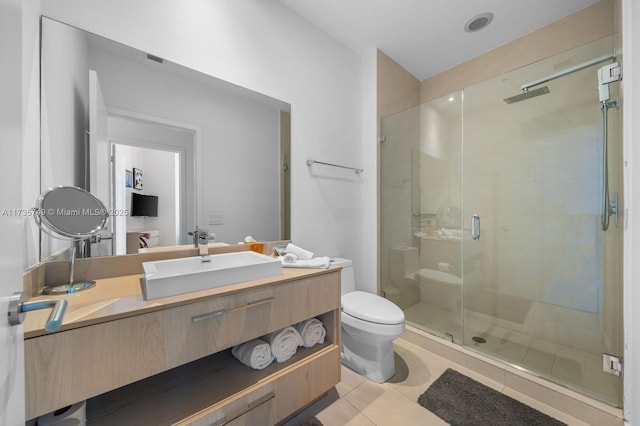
(214, 314)
(251, 406)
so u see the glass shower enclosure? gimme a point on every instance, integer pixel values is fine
(491, 210)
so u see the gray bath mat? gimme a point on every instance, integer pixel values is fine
(461, 401)
(311, 421)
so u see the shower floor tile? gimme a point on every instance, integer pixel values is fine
(518, 344)
(437, 320)
(539, 360)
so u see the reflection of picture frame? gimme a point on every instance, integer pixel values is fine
(137, 178)
(128, 179)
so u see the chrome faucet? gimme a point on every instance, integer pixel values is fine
(202, 236)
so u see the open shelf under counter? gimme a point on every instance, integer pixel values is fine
(218, 388)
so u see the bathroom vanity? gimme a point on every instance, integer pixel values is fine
(168, 361)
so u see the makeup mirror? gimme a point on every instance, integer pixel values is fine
(71, 214)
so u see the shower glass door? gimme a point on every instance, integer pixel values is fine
(542, 284)
(421, 214)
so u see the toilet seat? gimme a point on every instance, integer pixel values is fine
(371, 308)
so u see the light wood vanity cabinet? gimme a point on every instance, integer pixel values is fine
(173, 365)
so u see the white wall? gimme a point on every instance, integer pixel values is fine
(370, 151)
(267, 48)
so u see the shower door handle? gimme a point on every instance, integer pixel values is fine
(475, 226)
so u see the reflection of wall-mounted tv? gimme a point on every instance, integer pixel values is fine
(144, 205)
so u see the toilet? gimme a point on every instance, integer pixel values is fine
(370, 323)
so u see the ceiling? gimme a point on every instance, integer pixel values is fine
(427, 37)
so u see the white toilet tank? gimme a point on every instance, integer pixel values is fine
(346, 275)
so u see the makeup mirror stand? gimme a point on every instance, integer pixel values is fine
(70, 213)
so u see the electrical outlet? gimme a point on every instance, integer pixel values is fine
(216, 219)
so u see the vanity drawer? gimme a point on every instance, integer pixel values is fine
(102, 357)
(278, 397)
(200, 329)
(307, 382)
(252, 408)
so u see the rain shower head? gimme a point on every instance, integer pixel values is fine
(527, 95)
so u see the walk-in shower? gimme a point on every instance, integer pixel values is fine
(494, 217)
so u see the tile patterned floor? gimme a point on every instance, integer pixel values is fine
(356, 401)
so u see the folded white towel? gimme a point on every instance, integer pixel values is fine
(318, 262)
(312, 332)
(284, 343)
(299, 251)
(289, 258)
(255, 353)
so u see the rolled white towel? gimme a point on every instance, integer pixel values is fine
(312, 332)
(317, 263)
(284, 343)
(255, 353)
(299, 251)
(289, 258)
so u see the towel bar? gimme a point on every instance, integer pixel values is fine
(358, 171)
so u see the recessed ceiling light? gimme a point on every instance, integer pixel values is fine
(478, 22)
(451, 99)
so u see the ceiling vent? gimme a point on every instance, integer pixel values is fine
(478, 22)
(155, 58)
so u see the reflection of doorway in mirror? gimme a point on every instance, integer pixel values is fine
(166, 154)
(162, 179)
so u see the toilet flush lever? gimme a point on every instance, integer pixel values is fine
(18, 307)
(475, 226)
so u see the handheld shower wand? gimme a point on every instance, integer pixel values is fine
(607, 74)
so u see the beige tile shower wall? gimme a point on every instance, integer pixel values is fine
(582, 27)
(441, 159)
(398, 90)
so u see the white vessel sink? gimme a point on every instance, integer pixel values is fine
(166, 278)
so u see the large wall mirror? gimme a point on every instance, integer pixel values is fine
(165, 147)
